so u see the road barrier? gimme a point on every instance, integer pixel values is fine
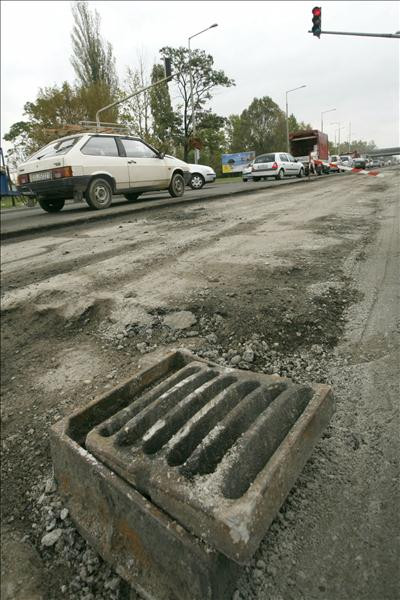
(352, 169)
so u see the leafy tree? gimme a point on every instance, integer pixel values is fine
(205, 79)
(166, 123)
(295, 125)
(54, 108)
(19, 136)
(92, 58)
(261, 127)
(211, 129)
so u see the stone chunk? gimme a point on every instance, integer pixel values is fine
(183, 319)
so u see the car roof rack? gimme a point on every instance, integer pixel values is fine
(88, 127)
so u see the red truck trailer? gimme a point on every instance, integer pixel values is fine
(304, 142)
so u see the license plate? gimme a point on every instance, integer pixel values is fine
(41, 176)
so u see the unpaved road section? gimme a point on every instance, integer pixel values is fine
(303, 282)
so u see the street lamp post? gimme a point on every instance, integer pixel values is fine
(196, 151)
(322, 116)
(287, 114)
(338, 131)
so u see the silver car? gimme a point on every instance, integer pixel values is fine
(277, 165)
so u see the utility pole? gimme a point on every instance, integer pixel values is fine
(287, 115)
(349, 135)
(322, 116)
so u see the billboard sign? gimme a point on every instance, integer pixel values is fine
(235, 163)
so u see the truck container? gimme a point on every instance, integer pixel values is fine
(306, 141)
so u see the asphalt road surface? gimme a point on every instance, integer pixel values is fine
(299, 280)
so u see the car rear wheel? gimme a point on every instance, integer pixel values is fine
(51, 206)
(131, 197)
(177, 186)
(280, 175)
(301, 173)
(99, 194)
(196, 181)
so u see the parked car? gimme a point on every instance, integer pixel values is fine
(335, 167)
(276, 164)
(247, 174)
(359, 163)
(200, 175)
(346, 160)
(95, 166)
(375, 163)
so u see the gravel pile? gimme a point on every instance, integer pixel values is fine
(60, 544)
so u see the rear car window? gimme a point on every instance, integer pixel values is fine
(265, 158)
(55, 148)
(100, 146)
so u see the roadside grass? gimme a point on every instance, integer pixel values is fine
(12, 202)
(228, 180)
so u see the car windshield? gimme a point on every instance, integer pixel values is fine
(265, 158)
(55, 148)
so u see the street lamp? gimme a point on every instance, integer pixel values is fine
(287, 114)
(338, 130)
(191, 86)
(322, 116)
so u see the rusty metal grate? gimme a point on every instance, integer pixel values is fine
(216, 448)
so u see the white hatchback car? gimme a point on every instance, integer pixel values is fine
(276, 164)
(200, 175)
(95, 166)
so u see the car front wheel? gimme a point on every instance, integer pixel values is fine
(280, 175)
(51, 206)
(99, 194)
(196, 181)
(301, 173)
(177, 186)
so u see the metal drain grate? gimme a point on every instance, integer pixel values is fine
(216, 448)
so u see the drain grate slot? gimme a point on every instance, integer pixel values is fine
(195, 431)
(117, 421)
(214, 447)
(259, 443)
(183, 411)
(147, 418)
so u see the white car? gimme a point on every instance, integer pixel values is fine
(346, 160)
(200, 175)
(335, 162)
(247, 173)
(95, 166)
(276, 164)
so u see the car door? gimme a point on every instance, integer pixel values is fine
(101, 155)
(293, 165)
(146, 168)
(284, 159)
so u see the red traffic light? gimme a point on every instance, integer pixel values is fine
(316, 11)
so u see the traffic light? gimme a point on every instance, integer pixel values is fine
(316, 19)
(168, 68)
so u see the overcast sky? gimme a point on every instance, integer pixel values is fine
(263, 46)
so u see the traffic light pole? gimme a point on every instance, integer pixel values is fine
(382, 35)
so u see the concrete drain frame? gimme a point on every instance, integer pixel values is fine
(175, 475)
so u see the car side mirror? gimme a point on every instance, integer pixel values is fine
(161, 154)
